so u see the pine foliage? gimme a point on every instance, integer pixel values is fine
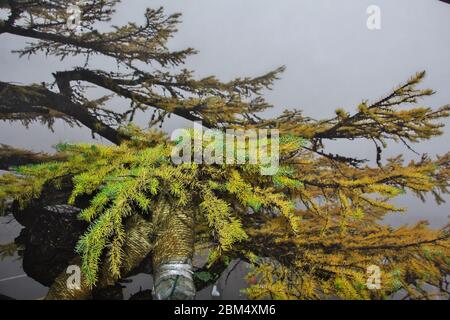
(128, 179)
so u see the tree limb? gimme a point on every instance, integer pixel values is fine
(16, 98)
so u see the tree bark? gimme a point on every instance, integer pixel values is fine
(173, 252)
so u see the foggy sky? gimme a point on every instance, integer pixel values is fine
(333, 60)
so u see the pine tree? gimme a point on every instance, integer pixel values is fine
(311, 231)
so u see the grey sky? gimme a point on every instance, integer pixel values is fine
(332, 59)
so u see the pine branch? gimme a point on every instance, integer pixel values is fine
(20, 98)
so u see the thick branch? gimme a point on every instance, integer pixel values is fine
(14, 97)
(114, 85)
(10, 157)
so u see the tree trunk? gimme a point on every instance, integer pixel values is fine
(173, 253)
